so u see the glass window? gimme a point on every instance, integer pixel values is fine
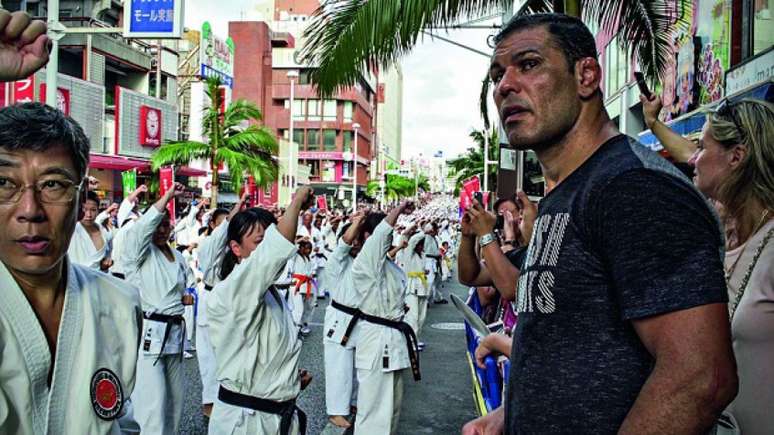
(349, 137)
(298, 137)
(616, 67)
(299, 111)
(314, 165)
(314, 110)
(348, 111)
(329, 111)
(313, 140)
(763, 27)
(329, 140)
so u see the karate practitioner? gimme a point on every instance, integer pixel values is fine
(301, 268)
(339, 354)
(417, 289)
(307, 230)
(385, 345)
(90, 245)
(162, 276)
(434, 272)
(211, 252)
(125, 218)
(68, 333)
(187, 228)
(255, 340)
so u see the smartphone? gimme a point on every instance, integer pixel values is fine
(640, 77)
(478, 196)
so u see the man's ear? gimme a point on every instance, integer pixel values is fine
(588, 74)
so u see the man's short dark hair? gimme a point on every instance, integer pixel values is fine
(569, 34)
(503, 200)
(37, 127)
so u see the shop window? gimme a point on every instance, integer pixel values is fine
(329, 140)
(314, 166)
(328, 171)
(763, 25)
(313, 140)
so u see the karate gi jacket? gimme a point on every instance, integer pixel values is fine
(342, 290)
(252, 332)
(212, 250)
(82, 250)
(414, 263)
(381, 285)
(96, 357)
(162, 283)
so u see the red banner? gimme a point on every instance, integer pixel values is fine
(471, 186)
(24, 90)
(150, 126)
(322, 202)
(62, 98)
(166, 182)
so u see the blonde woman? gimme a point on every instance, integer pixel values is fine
(734, 167)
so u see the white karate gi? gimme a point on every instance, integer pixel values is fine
(339, 360)
(417, 290)
(314, 235)
(255, 340)
(99, 331)
(301, 304)
(320, 260)
(433, 277)
(187, 228)
(82, 250)
(158, 398)
(118, 256)
(211, 252)
(381, 353)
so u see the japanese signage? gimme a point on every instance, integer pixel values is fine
(757, 70)
(24, 90)
(129, 181)
(150, 126)
(216, 56)
(153, 18)
(166, 182)
(322, 202)
(62, 98)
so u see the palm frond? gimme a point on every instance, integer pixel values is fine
(239, 111)
(179, 153)
(647, 26)
(348, 38)
(254, 139)
(263, 168)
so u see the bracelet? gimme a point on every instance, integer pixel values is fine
(486, 239)
(509, 242)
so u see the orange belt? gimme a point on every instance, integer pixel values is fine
(301, 280)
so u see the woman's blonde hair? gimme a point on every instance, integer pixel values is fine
(750, 123)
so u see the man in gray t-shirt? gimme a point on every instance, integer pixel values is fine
(623, 326)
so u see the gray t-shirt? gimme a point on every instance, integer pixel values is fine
(625, 236)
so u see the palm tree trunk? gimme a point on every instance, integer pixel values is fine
(214, 182)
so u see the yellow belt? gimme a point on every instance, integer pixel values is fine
(421, 275)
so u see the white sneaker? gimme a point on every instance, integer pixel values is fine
(187, 355)
(305, 330)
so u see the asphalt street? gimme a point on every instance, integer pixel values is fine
(439, 404)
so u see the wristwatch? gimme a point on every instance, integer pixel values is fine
(486, 239)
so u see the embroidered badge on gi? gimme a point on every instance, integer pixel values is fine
(107, 396)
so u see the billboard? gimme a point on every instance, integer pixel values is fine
(216, 56)
(155, 19)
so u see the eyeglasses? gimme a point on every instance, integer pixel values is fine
(726, 109)
(48, 191)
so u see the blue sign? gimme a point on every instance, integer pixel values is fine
(226, 79)
(159, 18)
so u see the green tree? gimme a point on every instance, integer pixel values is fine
(347, 38)
(245, 149)
(471, 164)
(397, 186)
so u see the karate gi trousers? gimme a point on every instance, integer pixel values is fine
(417, 312)
(229, 419)
(158, 394)
(379, 395)
(205, 355)
(340, 378)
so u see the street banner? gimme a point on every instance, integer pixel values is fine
(129, 181)
(322, 202)
(166, 182)
(471, 186)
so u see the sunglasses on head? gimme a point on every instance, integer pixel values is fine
(726, 109)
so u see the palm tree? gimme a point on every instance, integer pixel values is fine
(471, 164)
(398, 186)
(245, 149)
(348, 38)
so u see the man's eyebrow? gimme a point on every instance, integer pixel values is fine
(495, 66)
(8, 163)
(59, 171)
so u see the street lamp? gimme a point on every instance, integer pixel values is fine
(293, 164)
(356, 126)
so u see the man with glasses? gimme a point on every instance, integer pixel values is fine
(52, 310)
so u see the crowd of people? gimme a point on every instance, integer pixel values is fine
(633, 299)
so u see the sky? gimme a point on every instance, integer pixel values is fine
(441, 82)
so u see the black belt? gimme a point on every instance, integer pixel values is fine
(181, 248)
(169, 320)
(208, 287)
(119, 275)
(284, 409)
(403, 327)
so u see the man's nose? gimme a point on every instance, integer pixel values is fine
(29, 207)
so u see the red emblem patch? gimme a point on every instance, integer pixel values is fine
(107, 396)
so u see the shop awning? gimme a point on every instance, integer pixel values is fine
(116, 163)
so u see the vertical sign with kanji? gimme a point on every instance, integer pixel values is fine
(129, 181)
(166, 182)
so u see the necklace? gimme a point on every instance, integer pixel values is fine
(730, 270)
